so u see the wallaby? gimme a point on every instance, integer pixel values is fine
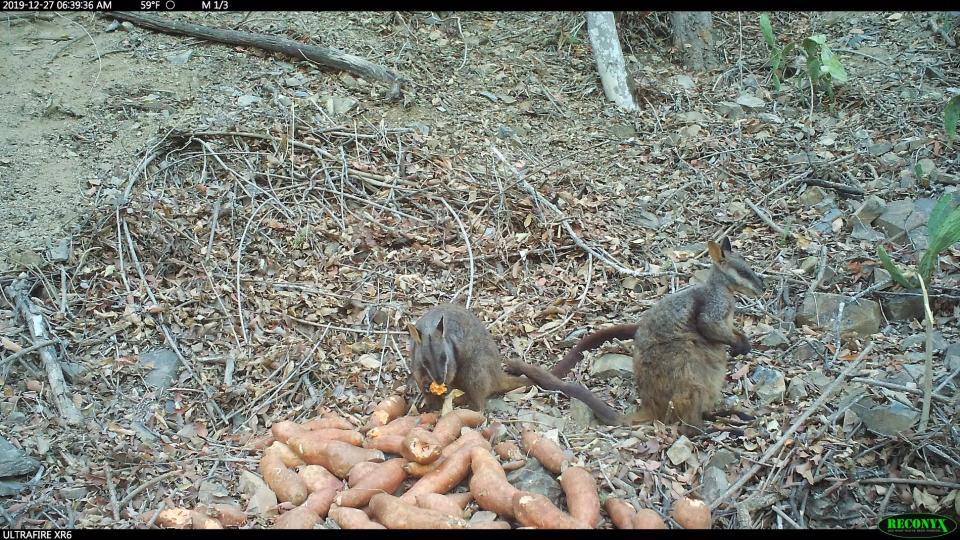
(451, 348)
(679, 356)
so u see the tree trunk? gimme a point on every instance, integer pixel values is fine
(608, 55)
(693, 35)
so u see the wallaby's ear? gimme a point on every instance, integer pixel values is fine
(414, 334)
(440, 325)
(715, 252)
(725, 245)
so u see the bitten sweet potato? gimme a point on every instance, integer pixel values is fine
(352, 518)
(420, 446)
(283, 481)
(620, 511)
(397, 514)
(583, 500)
(336, 456)
(508, 451)
(441, 480)
(535, 510)
(316, 477)
(286, 455)
(301, 517)
(439, 503)
(417, 470)
(398, 426)
(488, 485)
(386, 478)
(385, 411)
(547, 452)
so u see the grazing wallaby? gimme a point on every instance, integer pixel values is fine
(452, 348)
(679, 356)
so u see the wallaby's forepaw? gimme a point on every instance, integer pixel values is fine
(741, 347)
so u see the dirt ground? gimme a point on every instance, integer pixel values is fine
(280, 222)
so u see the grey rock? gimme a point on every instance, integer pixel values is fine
(867, 233)
(951, 357)
(797, 389)
(870, 209)
(927, 166)
(181, 58)
(812, 195)
(899, 218)
(903, 306)
(623, 131)
(581, 414)
(825, 225)
(247, 100)
(879, 149)
(889, 419)
(880, 275)
(13, 462)
(483, 516)
(770, 118)
(721, 459)
(263, 501)
(769, 384)
(819, 310)
(534, 478)
(909, 144)
(295, 81)
(750, 102)
(505, 132)
(61, 251)
(337, 105)
(684, 81)
(611, 365)
(72, 493)
(892, 161)
(543, 419)
(680, 451)
(730, 402)
(163, 364)
(498, 405)
(713, 483)
(730, 110)
(692, 117)
(775, 339)
(920, 340)
(9, 488)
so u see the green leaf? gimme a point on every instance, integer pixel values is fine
(950, 115)
(894, 270)
(836, 71)
(767, 30)
(938, 214)
(819, 39)
(789, 49)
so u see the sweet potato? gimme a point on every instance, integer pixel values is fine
(439, 503)
(388, 444)
(508, 451)
(201, 520)
(386, 478)
(320, 501)
(488, 485)
(398, 426)
(513, 465)
(352, 518)
(286, 455)
(316, 477)
(301, 517)
(691, 513)
(648, 519)
(171, 518)
(385, 411)
(441, 480)
(230, 515)
(535, 510)
(284, 430)
(283, 481)
(420, 446)
(448, 427)
(461, 499)
(336, 456)
(547, 452)
(329, 420)
(359, 471)
(495, 432)
(397, 514)
(468, 438)
(261, 442)
(330, 434)
(583, 500)
(417, 470)
(620, 511)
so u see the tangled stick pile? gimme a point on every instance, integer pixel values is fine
(421, 472)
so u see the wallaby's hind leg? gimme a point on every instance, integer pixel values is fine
(507, 383)
(642, 415)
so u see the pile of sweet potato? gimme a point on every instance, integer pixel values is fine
(402, 472)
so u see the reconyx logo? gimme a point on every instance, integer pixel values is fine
(917, 525)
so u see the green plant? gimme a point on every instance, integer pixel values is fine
(943, 230)
(950, 114)
(823, 67)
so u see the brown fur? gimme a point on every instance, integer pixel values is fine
(450, 345)
(679, 348)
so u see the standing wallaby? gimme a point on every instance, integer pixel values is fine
(679, 356)
(452, 348)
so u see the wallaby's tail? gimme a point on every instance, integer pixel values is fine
(546, 380)
(591, 341)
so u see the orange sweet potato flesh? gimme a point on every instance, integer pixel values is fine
(386, 478)
(489, 486)
(336, 456)
(620, 511)
(283, 481)
(448, 474)
(421, 446)
(352, 518)
(547, 452)
(385, 411)
(535, 510)
(398, 426)
(583, 500)
(508, 451)
(396, 514)
(316, 477)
